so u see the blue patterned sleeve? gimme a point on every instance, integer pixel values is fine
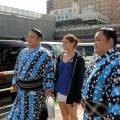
(16, 69)
(114, 95)
(48, 81)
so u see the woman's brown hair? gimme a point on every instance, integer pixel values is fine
(72, 38)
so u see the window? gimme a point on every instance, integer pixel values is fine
(55, 49)
(86, 50)
(8, 57)
(8, 54)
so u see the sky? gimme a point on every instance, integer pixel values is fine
(32, 5)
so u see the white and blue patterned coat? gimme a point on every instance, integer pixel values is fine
(102, 85)
(32, 64)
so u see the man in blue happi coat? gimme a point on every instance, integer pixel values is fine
(101, 88)
(33, 80)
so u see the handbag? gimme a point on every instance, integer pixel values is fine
(50, 107)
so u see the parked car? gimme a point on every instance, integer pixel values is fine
(9, 50)
(118, 47)
(55, 48)
(85, 49)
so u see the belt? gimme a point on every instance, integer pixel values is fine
(95, 109)
(30, 84)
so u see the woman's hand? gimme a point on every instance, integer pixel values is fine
(48, 92)
(82, 104)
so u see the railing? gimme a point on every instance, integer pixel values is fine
(86, 27)
(5, 89)
(5, 108)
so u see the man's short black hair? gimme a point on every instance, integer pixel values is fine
(38, 32)
(110, 33)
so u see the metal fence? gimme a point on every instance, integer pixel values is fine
(5, 109)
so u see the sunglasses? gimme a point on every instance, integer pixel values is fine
(109, 29)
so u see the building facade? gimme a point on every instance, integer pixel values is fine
(66, 13)
(49, 6)
(118, 12)
(108, 8)
(17, 22)
(59, 4)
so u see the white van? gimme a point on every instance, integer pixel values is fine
(56, 48)
(118, 47)
(86, 49)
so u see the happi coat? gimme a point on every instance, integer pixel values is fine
(32, 64)
(101, 87)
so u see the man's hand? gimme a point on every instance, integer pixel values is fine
(13, 88)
